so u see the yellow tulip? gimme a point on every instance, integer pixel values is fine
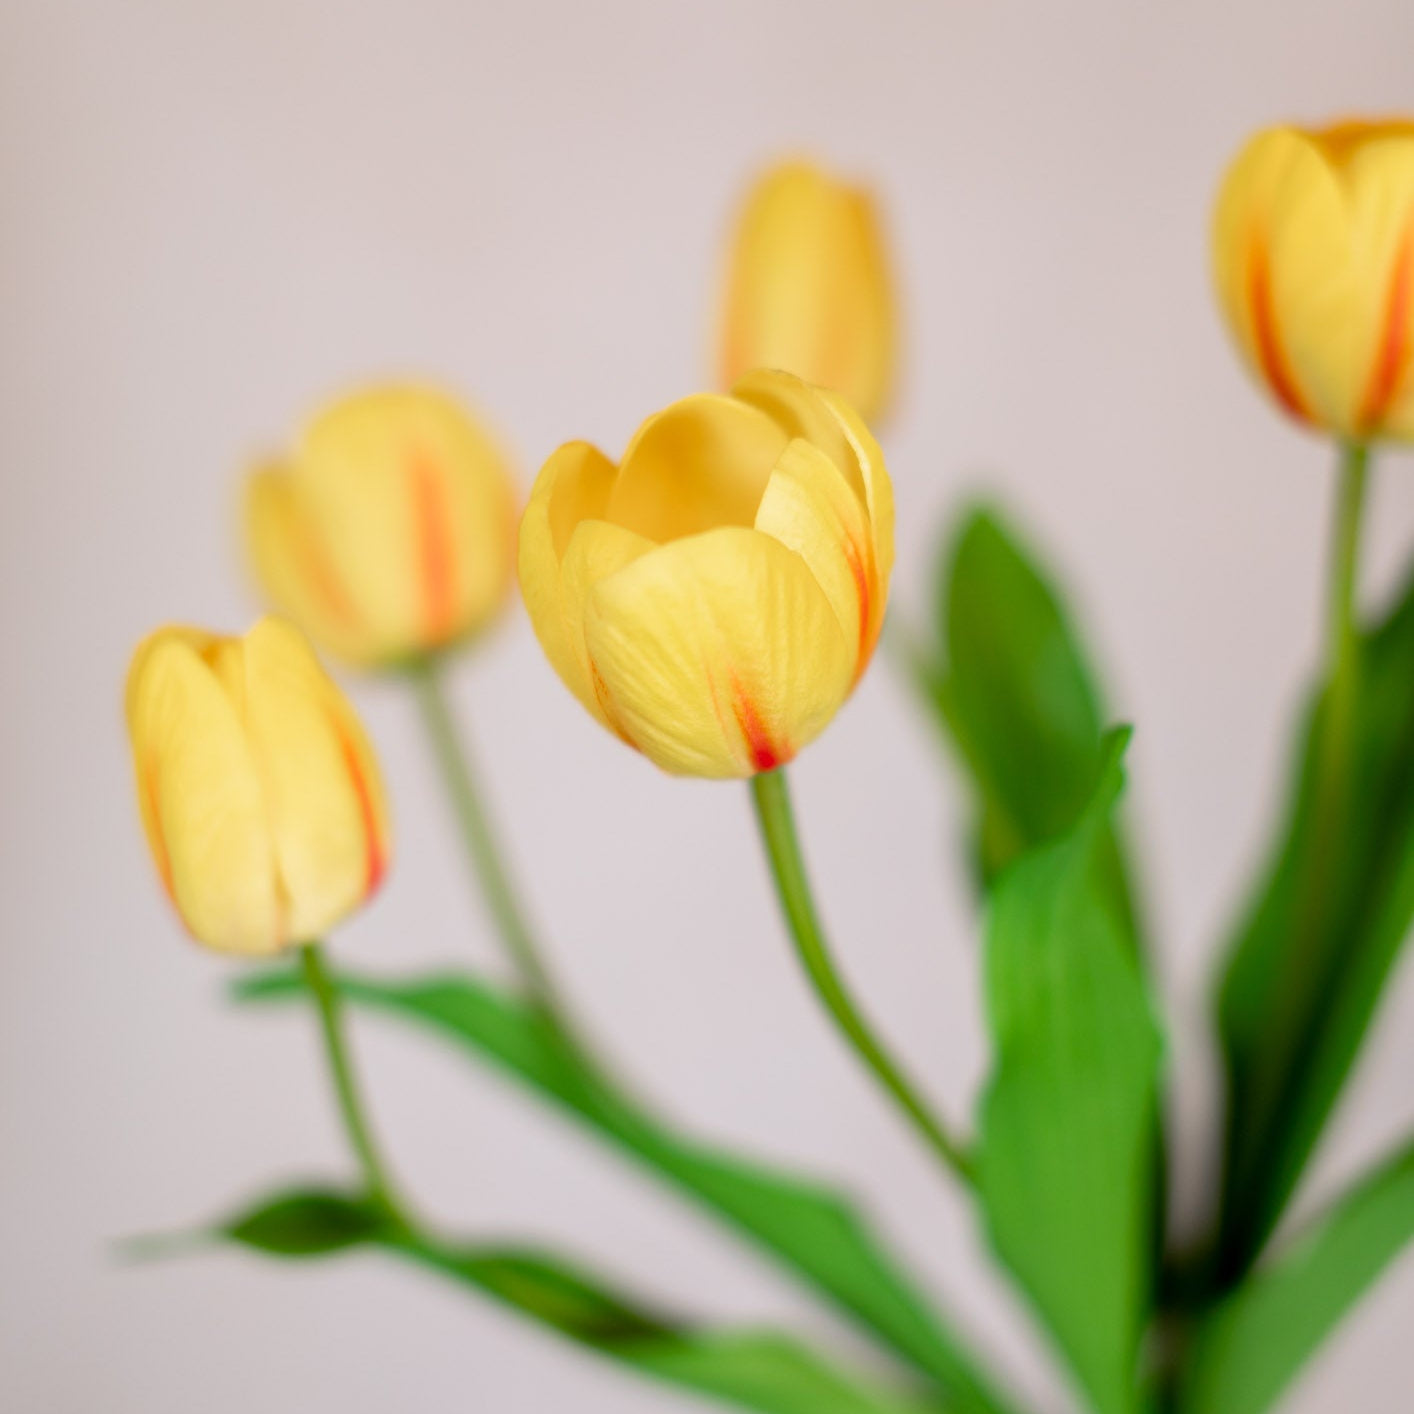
(259, 792)
(1313, 253)
(809, 290)
(388, 532)
(714, 598)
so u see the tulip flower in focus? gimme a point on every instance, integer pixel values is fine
(1313, 253)
(715, 596)
(387, 534)
(258, 789)
(809, 289)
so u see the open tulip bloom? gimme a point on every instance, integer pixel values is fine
(712, 599)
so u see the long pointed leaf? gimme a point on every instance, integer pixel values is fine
(808, 1228)
(1310, 962)
(1252, 1346)
(1012, 687)
(1069, 1118)
(760, 1370)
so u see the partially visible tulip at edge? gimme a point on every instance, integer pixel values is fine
(259, 792)
(809, 288)
(388, 531)
(714, 597)
(1313, 256)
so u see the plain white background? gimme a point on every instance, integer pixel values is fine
(213, 215)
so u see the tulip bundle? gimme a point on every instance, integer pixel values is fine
(712, 599)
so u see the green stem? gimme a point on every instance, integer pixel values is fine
(771, 797)
(454, 759)
(1341, 624)
(317, 979)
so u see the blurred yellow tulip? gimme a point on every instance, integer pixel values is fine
(714, 598)
(809, 289)
(1313, 253)
(388, 533)
(258, 789)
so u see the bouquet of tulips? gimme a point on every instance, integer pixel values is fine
(711, 599)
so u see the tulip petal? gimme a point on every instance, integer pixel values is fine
(809, 288)
(829, 422)
(1378, 179)
(403, 486)
(811, 509)
(294, 568)
(201, 798)
(1282, 263)
(801, 410)
(703, 462)
(323, 792)
(720, 653)
(572, 486)
(596, 549)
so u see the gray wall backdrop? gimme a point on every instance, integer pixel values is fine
(213, 214)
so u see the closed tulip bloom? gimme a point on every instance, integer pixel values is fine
(809, 290)
(388, 532)
(714, 597)
(1313, 252)
(259, 792)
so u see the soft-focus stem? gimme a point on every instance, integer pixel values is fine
(1341, 625)
(771, 797)
(454, 760)
(317, 979)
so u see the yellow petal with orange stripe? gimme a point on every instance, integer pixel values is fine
(258, 791)
(1313, 256)
(324, 796)
(719, 653)
(714, 599)
(388, 532)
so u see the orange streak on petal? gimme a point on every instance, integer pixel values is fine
(765, 755)
(375, 859)
(1393, 355)
(434, 544)
(855, 558)
(1270, 353)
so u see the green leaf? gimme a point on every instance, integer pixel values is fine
(760, 1370)
(1012, 687)
(1311, 958)
(1068, 1123)
(307, 1223)
(1252, 1345)
(808, 1228)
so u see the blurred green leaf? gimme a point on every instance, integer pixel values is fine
(760, 1370)
(306, 1223)
(1252, 1345)
(1317, 943)
(807, 1227)
(1068, 1122)
(1013, 689)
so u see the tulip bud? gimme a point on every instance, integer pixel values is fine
(259, 792)
(809, 290)
(1313, 254)
(388, 533)
(714, 598)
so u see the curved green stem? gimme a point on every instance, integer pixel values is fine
(771, 797)
(454, 759)
(317, 979)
